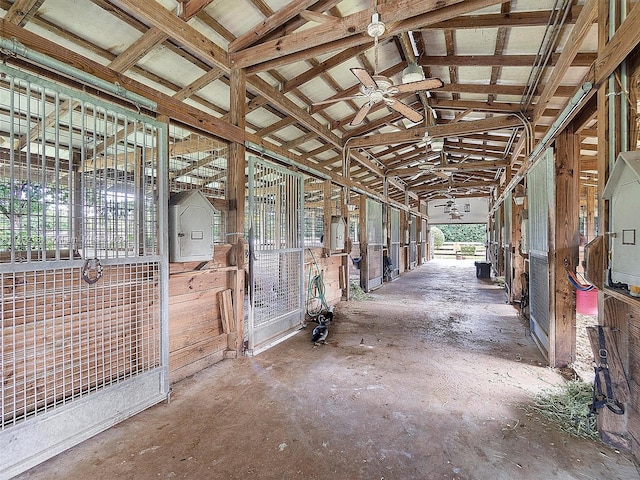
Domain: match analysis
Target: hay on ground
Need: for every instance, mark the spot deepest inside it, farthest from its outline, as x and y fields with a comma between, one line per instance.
x=568, y=407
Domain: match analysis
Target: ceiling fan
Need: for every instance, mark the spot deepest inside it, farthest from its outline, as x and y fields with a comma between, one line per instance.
x=378, y=88
x=452, y=209
x=442, y=171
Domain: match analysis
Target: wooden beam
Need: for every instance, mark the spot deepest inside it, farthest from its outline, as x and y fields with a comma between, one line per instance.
x=459, y=167
x=581, y=60
x=22, y=10
x=496, y=20
x=290, y=10
x=452, y=185
x=311, y=16
x=626, y=38
x=177, y=110
x=190, y=38
x=330, y=37
x=193, y=7
x=447, y=130
x=569, y=51
x=565, y=246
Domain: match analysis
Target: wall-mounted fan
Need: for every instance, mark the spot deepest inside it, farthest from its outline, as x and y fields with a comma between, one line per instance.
x=378, y=88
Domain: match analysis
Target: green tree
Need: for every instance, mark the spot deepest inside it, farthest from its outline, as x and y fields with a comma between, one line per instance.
x=463, y=232
x=438, y=237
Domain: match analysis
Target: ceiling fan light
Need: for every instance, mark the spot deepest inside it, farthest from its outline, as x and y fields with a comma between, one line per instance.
x=376, y=27
x=412, y=73
x=437, y=144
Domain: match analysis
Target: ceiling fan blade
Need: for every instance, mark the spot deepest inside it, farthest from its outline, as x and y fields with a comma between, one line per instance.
x=441, y=174
x=362, y=113
x=334, y=100
x=405, y=110
x=427, y=84
x=364, y=77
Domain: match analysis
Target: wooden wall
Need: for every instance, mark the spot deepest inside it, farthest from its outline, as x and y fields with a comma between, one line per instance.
x=622, y=314
x=196, y=335
x=334, y=273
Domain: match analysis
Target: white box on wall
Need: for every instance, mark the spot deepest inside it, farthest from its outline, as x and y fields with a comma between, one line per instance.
x=191, y=220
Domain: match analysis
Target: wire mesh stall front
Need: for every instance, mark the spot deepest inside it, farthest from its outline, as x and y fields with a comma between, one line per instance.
x=313, y=212
x=199, y=162
x=395, y=242
x=375, y=242
x=276, y=258
x=413, y=240
x=541, y=201
x=80, y=267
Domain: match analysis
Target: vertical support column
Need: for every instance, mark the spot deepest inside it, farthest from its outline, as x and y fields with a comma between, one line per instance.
x=236, y=165
x=567, y=241
x=517, y=261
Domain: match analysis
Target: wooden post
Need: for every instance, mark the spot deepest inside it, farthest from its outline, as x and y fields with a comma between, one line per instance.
x=567, y=241
x=235, y=195
x=517, y=261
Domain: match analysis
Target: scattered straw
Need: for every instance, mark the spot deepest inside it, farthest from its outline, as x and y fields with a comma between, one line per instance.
x=568, y=407
x=356, y=293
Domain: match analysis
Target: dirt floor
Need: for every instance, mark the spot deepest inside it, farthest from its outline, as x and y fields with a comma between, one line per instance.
x=425, y=380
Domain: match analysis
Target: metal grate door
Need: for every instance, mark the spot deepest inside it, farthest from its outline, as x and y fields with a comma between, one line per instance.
x=423, y=241
x=413, y=241
x=276, y=297
x=375, y=242
x=541, y=201
x=83, y=267
x=395, y=241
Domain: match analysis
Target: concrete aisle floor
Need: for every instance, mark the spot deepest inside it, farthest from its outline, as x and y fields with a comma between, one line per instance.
x=423, y=381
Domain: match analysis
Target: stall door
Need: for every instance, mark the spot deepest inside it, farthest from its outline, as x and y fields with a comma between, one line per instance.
x=413, y=241
x=541, y=201
x=83, y=267
x=395, y=242
x=276, y=294
x=423, y=243
x=375, y=242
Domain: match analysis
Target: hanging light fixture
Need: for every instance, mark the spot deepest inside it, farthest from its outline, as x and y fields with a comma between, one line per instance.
x=437, y=144
x=412, y=73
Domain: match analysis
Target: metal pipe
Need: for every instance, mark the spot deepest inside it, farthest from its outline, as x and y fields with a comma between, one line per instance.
x=281, y=158
x=611, y=92
x=555, y=127
x=624, y=86
x=14, y=46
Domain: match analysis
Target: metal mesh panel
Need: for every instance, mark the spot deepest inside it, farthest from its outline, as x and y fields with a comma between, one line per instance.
x=412, y=238
x=79, y=180
x=63, y=338
x=79, y=246
x=277, y=285
x=539, y=291
x=395, y=241
x=540, y=191
x=198, y=162
x=374, y=223
x=276, y=205
x=313, y=212
x=540, y=198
